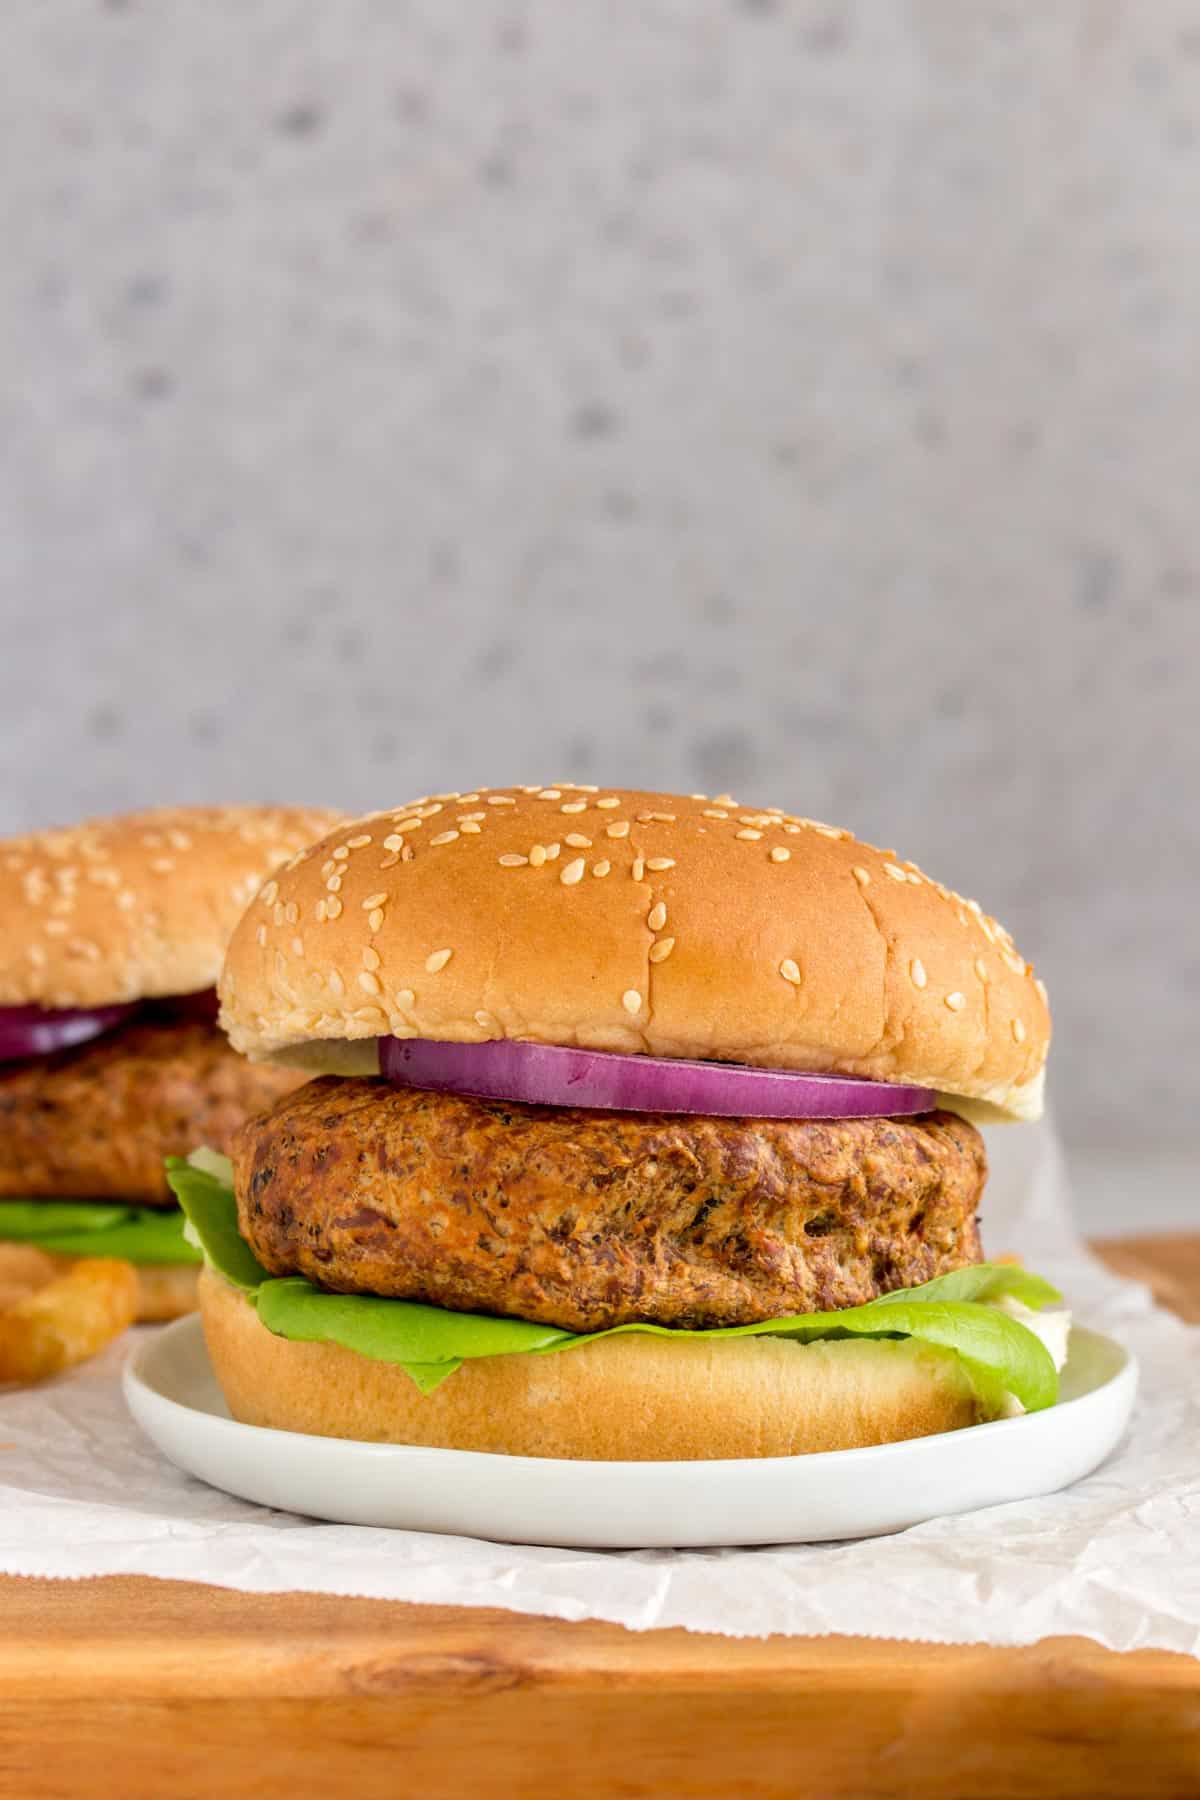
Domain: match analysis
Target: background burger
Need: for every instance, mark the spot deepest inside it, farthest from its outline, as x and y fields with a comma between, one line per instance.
x=643, y=1132
x=110, y=1057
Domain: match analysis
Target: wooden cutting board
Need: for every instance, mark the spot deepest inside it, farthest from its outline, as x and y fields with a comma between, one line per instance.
x=132, y=1689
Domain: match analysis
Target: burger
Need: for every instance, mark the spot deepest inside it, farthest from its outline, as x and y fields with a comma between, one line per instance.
x=110, y=1055
x=641, y=1127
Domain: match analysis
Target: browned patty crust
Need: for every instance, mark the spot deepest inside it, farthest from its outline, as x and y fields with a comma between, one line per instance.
x=591, y=1219
x=96, y=1122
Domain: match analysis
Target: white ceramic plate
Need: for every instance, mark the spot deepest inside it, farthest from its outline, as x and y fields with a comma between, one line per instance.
x=173, y=1395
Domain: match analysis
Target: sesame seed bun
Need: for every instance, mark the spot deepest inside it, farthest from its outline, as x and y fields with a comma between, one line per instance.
x=618, y=920
x=137, y=906
x=625, y=1399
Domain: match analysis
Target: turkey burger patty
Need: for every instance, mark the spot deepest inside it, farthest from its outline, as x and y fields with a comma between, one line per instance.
x=587, y=1220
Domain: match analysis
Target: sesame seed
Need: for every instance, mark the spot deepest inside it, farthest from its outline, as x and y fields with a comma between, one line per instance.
x=577, y=841
x=394, y=842
x=487, y=1021
x=631, y=1000
x=601, y=868
x=794, y=830
x=297, y=946
x=724, y=800
x=438, y=961
x=341, y=854
x=511, y=860
x=334, y=884
x=895, y=873
x=358, y=843
x=467, y=799
x=916, y=969
x=660, y=950
x=573, y=872
x=608, y=802
x=714, y=812
x=333, y=907
x=162, y=865
x=1040, y=985
x=537, y=855
x=278, y=912
x=261, y=935
x=829, y=831
x=469, y=827
x=748, y=833
x=412, y=823
x=656, y=918
x=638, y=868
x=374, y=900
x=465, y=819
x=574, y=806
x=407, y=854
x=270, y=893
x=552, y=851
x=375, y=919
x=336, y=984
x=292, y=913
x=1018, y=1031
x=500, y=800
x=370, y=957
x=981, y=968
x=404, y=997
x=780, y=854
x=550, y=794
x=618, y=829
x=656, y=818
x=444, y=837
x=389, y=861
x=956, y=1001
x=790, y=971
x=658, y=863
x=319, y=912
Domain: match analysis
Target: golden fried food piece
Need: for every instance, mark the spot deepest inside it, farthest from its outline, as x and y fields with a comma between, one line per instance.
x=589, y=1219
x=96, y=1122
x=24, y=1267
x=68, y=1320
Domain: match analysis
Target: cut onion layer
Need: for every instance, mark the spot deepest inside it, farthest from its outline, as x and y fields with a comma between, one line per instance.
x=40, y=1030
x=551, y=1075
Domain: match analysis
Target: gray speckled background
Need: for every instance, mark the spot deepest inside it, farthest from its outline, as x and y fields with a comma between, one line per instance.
x=796, y=398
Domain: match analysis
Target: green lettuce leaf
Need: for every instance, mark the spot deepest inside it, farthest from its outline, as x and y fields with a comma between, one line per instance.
x=138, y=1234
x=211, y=1211
x=430, y=1342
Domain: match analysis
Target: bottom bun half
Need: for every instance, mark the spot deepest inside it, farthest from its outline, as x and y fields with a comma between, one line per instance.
x=624, y=1399
x=165, y=1291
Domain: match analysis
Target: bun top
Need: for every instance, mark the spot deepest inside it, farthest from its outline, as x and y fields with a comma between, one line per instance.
x=136, y=906
x=617, y=920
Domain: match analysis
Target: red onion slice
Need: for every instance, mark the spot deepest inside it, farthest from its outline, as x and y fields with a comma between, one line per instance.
x=551, y=1075
x=40, y=1030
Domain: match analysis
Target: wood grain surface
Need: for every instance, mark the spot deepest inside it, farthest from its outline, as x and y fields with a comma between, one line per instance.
x=132, y=1689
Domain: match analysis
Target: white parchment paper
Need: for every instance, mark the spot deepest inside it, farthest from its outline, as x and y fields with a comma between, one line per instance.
x=1116, y=1558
